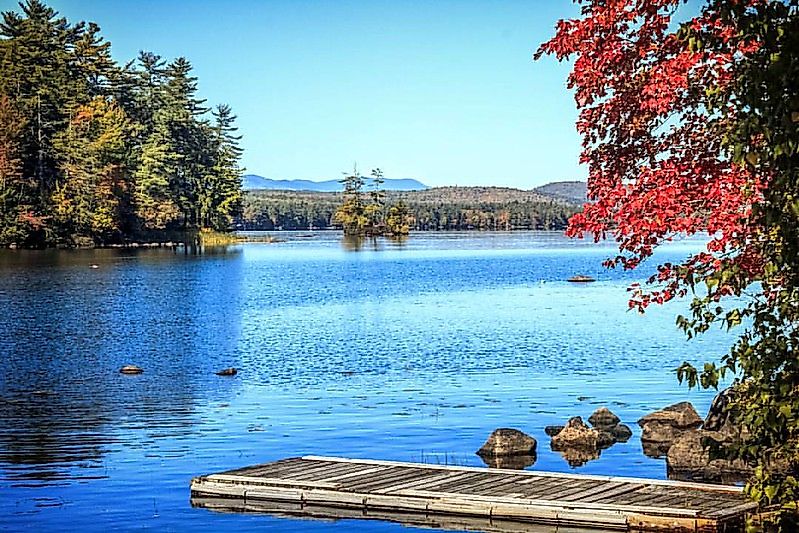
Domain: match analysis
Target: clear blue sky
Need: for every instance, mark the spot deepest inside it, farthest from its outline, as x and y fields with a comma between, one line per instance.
x=442, y=91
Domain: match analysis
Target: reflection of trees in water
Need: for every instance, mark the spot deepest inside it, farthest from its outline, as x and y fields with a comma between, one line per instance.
x=65, y=332
x=357, y=243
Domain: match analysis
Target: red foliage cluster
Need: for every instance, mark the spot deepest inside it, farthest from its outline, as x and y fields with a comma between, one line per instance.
x=653, y=110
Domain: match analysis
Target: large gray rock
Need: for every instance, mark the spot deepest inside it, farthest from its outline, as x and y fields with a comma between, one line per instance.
x=689, y=459
x=576, y=434
x=508, y=442
x=680, y=415
x=662, y=428
x=603, y=418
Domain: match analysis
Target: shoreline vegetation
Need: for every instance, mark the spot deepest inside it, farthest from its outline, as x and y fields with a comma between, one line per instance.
x=435, y=209
x=96, y=153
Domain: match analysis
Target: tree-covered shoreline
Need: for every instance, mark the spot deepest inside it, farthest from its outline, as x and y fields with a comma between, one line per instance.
x=96, y=153
x=436, y=209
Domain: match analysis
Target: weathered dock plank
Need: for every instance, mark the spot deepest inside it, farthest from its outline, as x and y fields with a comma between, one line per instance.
x=479, y=497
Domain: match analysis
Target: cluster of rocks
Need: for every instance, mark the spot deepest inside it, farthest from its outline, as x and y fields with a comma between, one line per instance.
x=579, y=443
x=686, y=440
x=676, y=432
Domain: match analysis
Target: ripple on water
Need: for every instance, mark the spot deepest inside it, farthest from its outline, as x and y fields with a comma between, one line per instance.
x=411, y=353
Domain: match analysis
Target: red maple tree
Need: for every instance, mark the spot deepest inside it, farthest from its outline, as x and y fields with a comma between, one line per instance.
x=692, y=127
x=653, y=110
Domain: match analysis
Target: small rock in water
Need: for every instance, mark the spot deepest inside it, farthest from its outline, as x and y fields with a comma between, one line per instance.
x=603, y=418
x=227, y=372
x=621, y=432
x=553, y=430
x=604, y=439
x=130, y=369
x=508, y=441
x=94, y=266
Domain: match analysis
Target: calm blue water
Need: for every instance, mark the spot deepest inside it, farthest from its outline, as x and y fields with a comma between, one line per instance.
x=413, y=351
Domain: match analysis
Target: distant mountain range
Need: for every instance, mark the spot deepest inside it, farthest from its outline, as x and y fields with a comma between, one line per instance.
x=572, y=192
x=253, y=182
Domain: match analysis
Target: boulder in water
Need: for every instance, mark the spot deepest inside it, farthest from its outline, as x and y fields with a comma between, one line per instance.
x=621, y=432
x=227, y=372
x=662, y=428
x=689, y=458
x=130, y=369
x=576, y=434
x=603, y=418
x=505, y=442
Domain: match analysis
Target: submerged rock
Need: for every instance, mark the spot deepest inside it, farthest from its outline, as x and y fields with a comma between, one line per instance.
x=662, y=428
x=603, y=418
x=130, y=369
x=227, y=372
x=505, y=442
x=610, y=428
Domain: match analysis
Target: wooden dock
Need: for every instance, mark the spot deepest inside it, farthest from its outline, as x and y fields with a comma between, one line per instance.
x=471, y=498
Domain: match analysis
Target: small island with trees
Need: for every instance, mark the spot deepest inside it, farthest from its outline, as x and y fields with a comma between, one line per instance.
x=369, y=215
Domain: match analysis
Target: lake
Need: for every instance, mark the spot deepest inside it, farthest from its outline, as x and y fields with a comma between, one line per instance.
x=411, y=351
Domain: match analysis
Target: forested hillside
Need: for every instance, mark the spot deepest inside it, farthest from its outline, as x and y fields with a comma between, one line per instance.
x=570, y=191
x=93, y=152
x=439, y=208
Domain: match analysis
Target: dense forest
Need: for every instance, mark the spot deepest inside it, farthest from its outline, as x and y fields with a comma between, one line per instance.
x=93, y=152
x=440, y=208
